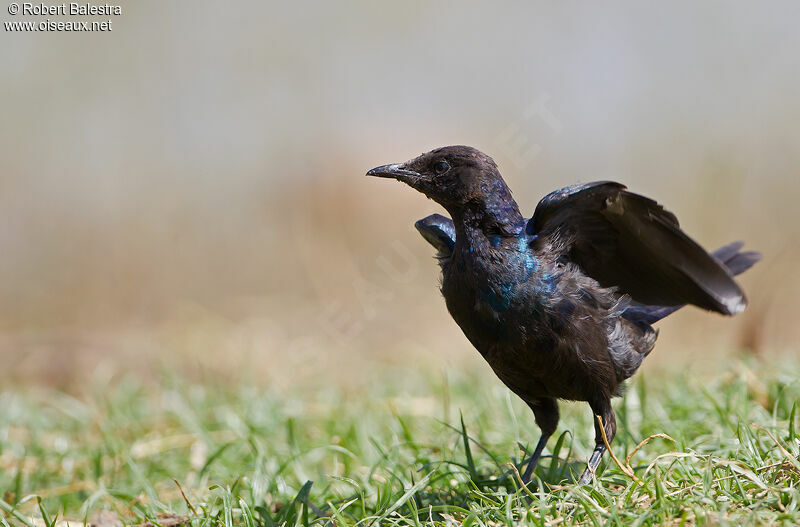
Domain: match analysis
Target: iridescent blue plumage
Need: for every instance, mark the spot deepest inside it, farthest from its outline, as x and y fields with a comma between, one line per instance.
x=439, y=231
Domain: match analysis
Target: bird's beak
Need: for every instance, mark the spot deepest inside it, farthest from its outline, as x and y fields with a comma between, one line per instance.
x=396, y=171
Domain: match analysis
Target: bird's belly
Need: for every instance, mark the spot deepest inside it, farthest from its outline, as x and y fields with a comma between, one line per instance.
x=536, y=371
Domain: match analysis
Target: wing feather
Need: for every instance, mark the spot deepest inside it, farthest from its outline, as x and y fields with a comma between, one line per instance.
x=629, y=241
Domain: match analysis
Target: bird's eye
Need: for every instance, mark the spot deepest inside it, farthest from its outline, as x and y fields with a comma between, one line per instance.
x=441, y=167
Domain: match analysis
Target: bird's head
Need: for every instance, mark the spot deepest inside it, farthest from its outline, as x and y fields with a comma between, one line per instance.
x=456, y=177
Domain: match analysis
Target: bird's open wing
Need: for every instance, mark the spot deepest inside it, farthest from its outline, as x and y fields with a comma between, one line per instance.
x=439, y=231
x=628, y=241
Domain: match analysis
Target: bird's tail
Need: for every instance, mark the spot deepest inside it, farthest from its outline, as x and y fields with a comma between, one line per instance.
x=730, y=256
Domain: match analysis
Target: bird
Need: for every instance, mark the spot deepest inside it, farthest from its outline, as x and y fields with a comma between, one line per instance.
x=562, y=305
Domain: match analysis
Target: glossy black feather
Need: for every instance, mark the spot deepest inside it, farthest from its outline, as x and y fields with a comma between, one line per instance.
x=439, y=231
x=628, y=241
x=735, y=262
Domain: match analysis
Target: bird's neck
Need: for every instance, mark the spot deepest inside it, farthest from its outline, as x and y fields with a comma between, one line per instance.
x=479, y=223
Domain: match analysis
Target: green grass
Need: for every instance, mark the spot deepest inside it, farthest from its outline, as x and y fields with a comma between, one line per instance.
x=407, y=450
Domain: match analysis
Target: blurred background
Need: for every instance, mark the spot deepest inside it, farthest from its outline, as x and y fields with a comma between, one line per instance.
x=187, y=191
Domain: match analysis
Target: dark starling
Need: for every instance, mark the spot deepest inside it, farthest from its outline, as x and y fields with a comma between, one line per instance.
x=561, y=305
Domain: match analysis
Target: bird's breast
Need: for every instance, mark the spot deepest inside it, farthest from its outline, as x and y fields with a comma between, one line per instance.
x=490, y=293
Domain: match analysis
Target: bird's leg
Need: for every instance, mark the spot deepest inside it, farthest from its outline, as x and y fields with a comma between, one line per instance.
x=526, y=477
x=545, y=410
x=604, y=410
x=591, y=466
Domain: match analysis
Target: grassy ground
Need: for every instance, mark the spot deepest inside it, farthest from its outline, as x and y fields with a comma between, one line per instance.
x=397, y=454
